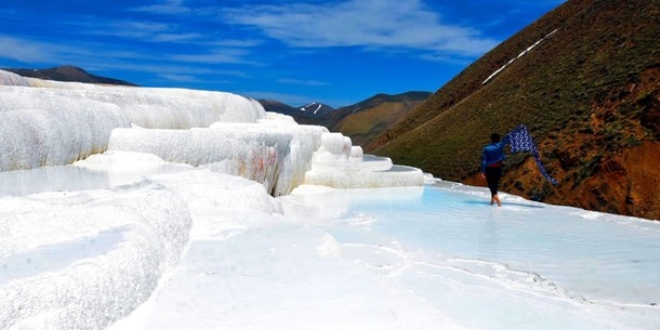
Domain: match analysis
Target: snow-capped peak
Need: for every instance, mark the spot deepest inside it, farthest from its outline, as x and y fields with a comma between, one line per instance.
x=312, y=107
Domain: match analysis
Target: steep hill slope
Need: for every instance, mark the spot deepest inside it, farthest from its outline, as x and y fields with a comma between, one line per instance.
x=585, y=79
x=68, y=73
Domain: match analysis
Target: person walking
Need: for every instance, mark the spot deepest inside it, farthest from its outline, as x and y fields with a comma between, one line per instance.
x=492, y=161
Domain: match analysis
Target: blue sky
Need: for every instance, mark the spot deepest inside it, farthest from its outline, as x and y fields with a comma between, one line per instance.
x=338, y=52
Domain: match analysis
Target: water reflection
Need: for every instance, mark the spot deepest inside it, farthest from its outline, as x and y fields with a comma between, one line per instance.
x=74, y=178
x=584, y=253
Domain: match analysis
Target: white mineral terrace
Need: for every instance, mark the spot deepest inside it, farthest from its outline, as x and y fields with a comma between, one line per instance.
x=47, y=123
x=93, y=236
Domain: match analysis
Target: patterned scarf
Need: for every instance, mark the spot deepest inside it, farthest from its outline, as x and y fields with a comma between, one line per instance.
x=521, y=141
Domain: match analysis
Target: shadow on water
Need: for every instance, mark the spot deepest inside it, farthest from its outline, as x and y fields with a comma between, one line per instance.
x=504, y=204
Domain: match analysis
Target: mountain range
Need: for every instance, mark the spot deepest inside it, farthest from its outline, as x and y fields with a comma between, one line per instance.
x=68, y=73
x=362, y=122
x=312, y=110
x=585, y=80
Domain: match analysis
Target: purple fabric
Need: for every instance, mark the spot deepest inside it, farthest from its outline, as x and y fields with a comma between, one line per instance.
x=521, y=141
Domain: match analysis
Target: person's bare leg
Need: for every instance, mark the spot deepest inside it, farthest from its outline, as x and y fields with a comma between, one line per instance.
x=497, y=199
x=492, y=200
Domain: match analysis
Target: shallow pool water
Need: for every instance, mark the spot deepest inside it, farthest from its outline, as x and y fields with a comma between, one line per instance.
x=523, y=264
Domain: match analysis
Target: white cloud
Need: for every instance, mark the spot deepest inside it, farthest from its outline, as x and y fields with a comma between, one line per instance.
x=438, y=57
x=158, y=32
x=31, y=51
x=365, y=23
x=179, y=78
x=176, y=37
x=173, y=70
x=303, y=82
x=142, y=30
x=246, y=43
x=235, y=56
x=24, y=51
x=168, y=7
x=86, y=55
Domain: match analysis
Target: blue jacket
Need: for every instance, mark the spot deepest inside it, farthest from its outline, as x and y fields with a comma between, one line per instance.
x=493, y=153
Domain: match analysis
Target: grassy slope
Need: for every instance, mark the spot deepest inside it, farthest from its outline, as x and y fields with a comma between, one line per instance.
x=364, y=126
x=588, y=93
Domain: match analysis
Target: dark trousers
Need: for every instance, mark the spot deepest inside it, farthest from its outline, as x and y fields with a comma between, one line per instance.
x=493, y=175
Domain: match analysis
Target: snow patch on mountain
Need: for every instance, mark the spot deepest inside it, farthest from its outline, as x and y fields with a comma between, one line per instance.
x=527, y=50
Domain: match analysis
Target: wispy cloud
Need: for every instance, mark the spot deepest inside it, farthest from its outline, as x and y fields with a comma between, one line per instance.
x=24, y=51
x=303, y=82
x=177, y=37
x=179, y=78
x=164, y=69
x=168, y=74
x=145, y=31
x=87, y=55
x=168, y=7
x=28, y=50
x=364, y=23
x=246, y=43
x=438, y=57
x=135, y=29
x=234, y=56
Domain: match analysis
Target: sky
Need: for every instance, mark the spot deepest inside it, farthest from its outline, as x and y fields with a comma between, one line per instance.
x=338, y=52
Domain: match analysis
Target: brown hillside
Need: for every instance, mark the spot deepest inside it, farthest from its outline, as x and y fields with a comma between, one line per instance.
x=364, y=126
x=589, y=93
x=366, y=120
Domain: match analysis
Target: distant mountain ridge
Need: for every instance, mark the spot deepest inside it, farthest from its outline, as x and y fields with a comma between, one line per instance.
x=362, y=121
x=68, y=73
x=366, y=120
x=381, y=98
x=278, y=107
x=585, y=79
x=311, y=110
